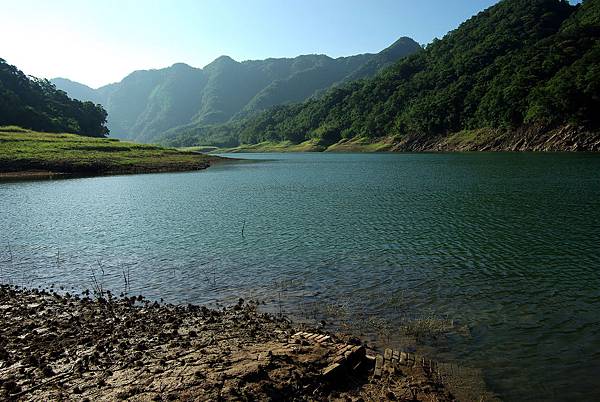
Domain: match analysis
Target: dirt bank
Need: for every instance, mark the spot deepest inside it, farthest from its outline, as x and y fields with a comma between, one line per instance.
x=566, y=138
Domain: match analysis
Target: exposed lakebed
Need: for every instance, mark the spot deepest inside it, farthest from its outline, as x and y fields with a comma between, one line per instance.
x=505, y=246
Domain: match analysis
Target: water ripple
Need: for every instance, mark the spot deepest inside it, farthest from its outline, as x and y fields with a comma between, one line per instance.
x=506, y=244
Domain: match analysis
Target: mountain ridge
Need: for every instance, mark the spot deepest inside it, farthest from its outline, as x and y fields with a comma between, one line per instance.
x=147, y=103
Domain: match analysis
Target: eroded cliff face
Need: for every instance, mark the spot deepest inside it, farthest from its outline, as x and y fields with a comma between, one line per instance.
x=566, y=138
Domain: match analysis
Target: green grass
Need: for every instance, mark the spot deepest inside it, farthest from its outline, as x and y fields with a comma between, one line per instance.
x=198, y=148
x=24, y=152
x=471, y=139
x=268, y=146
x=359, y=144
x=351, y=145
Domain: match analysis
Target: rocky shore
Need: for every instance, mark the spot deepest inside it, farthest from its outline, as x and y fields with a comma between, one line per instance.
x=566, y=138
x=80, y=347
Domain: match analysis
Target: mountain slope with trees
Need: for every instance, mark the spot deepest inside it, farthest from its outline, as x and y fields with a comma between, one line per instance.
x=147, y=103
x=523, y=74
x=36, y=104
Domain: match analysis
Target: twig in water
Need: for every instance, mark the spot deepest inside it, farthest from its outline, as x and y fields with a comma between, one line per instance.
x=10, y=254
x=98, y=286
x=243, y=227
x=280, y=307
x=126, y=278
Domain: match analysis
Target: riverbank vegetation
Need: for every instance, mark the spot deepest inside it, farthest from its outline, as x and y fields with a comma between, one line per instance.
x=26, y=153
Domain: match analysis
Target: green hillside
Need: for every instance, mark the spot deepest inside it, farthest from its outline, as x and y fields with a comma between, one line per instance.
x=37, y=104
x=147, y=103
x=523, y=74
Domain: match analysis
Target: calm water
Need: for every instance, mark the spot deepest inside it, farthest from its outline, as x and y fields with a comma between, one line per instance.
x=506, y=245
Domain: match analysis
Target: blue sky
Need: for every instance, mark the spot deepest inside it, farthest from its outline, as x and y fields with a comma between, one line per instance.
x=100, y=41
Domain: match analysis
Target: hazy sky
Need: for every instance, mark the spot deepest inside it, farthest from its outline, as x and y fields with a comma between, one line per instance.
x=101, y=41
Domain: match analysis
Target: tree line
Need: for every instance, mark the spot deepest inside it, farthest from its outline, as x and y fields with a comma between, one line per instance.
x=36, y=104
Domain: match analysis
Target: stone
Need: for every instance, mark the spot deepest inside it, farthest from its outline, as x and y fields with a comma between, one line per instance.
x=339, y=359
x=323, y=338
x=378, y=366
x=330, y=370
x=344, y=349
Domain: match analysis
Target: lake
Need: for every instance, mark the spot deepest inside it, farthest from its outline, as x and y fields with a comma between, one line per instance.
x=505, y=247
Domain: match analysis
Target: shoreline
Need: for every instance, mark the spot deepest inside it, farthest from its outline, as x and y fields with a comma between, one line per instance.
x=55, y=346
x=24, y=175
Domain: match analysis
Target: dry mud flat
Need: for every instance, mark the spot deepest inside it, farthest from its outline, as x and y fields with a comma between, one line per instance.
x=64, y=347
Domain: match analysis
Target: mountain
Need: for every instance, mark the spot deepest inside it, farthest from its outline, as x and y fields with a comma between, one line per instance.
x=147, y=103
x=383, y=59
x=36, y=104
x=521, y=75
x=76, y=90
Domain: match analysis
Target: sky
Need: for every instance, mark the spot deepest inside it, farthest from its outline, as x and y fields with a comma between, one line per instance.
x=97, y=42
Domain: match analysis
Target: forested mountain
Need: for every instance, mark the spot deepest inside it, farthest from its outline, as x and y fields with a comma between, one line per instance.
x=523, y=74
x=37, y=104
x=147, y=103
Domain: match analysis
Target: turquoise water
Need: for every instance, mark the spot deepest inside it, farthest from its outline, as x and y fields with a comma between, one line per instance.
x=505, y=245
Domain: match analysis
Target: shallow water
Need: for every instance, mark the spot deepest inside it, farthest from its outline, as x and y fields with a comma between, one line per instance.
x=507, y=245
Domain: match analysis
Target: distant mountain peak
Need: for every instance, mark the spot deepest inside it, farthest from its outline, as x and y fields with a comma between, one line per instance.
x=224, y=59
x=64, y=79
x=403, y=41
x=404, y=46
x=181, y=66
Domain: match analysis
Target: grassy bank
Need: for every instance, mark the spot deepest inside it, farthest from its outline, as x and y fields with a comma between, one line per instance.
x=362, y=145
x=345, y=145
x=25, y=153
x=200, y=149
x=269, y=146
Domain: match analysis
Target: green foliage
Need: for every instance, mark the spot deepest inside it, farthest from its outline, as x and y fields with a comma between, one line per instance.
x=37, y=104
x=520, y=62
